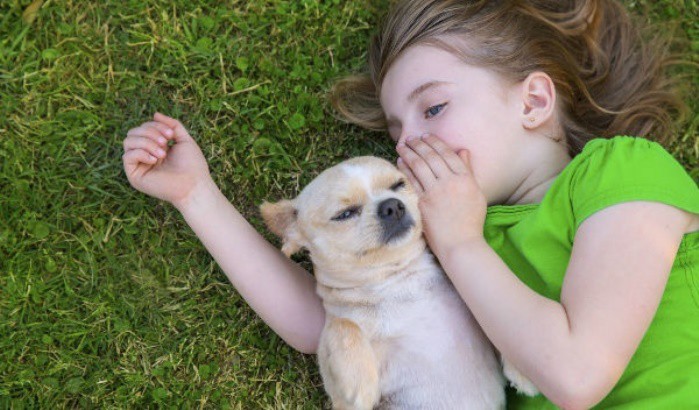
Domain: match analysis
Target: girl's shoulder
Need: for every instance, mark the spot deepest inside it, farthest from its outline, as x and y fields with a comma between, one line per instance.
x=623, y=169
x=619, y=148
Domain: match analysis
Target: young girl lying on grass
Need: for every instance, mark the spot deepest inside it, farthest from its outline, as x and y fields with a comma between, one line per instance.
x=576, y=248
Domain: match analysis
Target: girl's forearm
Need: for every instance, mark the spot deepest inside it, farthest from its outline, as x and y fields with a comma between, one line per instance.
x=531, y=331
x=277, y=289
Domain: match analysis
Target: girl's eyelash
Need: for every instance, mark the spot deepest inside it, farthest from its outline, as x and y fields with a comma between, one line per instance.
x=434, y=110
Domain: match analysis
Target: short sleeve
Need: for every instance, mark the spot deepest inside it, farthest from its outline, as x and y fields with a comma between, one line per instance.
x=623, y=169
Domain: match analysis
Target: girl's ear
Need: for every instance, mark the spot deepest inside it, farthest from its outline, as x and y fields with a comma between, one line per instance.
x=280, y=218
x=539, y=100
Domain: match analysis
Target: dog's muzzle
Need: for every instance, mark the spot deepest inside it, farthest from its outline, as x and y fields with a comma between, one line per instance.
x=395, y=221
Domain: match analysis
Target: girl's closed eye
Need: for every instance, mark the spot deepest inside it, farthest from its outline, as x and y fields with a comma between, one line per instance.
x=434, y=110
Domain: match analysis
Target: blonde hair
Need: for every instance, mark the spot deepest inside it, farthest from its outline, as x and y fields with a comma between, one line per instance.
x=609, y=81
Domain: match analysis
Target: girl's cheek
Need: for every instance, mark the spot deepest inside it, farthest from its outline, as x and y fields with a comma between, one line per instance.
x=449, y=133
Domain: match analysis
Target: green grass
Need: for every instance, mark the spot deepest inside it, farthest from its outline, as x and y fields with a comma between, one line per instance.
x=106, y=297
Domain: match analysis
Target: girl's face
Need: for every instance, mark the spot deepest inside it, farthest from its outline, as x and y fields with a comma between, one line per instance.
x=428, y=90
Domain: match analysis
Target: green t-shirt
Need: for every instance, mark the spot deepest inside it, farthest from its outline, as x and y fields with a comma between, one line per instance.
x=535, y=241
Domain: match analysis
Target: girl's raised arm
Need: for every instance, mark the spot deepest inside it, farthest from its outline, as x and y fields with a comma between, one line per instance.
x=279, y=290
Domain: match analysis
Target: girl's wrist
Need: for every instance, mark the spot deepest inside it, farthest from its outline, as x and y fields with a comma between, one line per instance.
x=203, y=192
x=458, y=248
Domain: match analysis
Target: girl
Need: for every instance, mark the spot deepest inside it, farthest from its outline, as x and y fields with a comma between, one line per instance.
x=582, y=270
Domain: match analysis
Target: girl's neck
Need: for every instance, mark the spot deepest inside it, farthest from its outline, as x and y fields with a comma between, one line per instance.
x=533, y=187
x=533, y=195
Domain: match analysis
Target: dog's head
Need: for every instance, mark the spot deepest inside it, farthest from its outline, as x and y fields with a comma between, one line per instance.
x=360, y=213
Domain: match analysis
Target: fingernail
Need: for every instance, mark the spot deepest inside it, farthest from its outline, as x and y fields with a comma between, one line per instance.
x=168, y=132
x=160, y=153
x=162, y=140
x=400, y=161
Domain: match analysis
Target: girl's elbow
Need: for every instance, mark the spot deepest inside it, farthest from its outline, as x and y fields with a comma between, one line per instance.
x=577, y=400
x=305, y=345
x=305, y=348
x=584, y=390
x=305, y=338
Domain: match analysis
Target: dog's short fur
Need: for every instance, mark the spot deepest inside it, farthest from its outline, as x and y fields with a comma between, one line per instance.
x=397, y=335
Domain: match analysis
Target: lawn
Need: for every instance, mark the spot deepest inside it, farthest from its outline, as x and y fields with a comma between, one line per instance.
x=106, y=297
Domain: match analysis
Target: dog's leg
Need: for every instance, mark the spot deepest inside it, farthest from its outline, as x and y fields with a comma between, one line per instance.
x=348, y=365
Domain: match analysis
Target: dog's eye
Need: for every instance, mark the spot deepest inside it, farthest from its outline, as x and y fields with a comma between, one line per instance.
x=398, y=185
x=347, y=213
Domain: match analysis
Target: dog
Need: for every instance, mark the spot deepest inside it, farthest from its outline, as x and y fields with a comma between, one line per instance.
x=397, y=335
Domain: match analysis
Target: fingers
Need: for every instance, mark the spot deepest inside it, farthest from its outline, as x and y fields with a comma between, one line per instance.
x=433, y=158
x=451, y=158
x=427, y=159
x=135, y=157
x=138, y=141
x=419, y=169
x=151, y=136
x=465, y=157
x=409, y=174
x=152, y=131
x=164, y=129
x=181, y=133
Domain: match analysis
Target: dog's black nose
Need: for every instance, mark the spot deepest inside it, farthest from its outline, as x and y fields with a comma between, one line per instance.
x=391, y=210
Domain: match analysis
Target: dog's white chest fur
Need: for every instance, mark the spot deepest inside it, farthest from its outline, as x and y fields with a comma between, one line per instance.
x=428, y=350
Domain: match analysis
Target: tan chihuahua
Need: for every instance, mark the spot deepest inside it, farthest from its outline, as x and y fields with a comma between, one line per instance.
x=396, y=335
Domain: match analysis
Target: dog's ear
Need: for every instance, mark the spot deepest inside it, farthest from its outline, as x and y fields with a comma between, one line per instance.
x=280, y=218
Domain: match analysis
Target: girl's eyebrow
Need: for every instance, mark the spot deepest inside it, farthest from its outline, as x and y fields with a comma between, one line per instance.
x=424, y=87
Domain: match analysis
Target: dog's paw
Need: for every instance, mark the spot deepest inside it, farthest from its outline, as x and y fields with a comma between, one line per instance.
x=348, y=366
x=518, y=381
x=360, y=396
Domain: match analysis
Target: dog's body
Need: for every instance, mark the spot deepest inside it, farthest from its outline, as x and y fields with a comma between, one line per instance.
x=428, y=351
x=397, y=335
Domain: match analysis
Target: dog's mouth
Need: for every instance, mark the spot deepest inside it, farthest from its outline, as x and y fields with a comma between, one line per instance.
x=391, y=236
x=394, y=232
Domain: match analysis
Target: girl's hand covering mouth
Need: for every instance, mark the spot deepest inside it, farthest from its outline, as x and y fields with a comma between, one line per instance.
x=451, y=202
